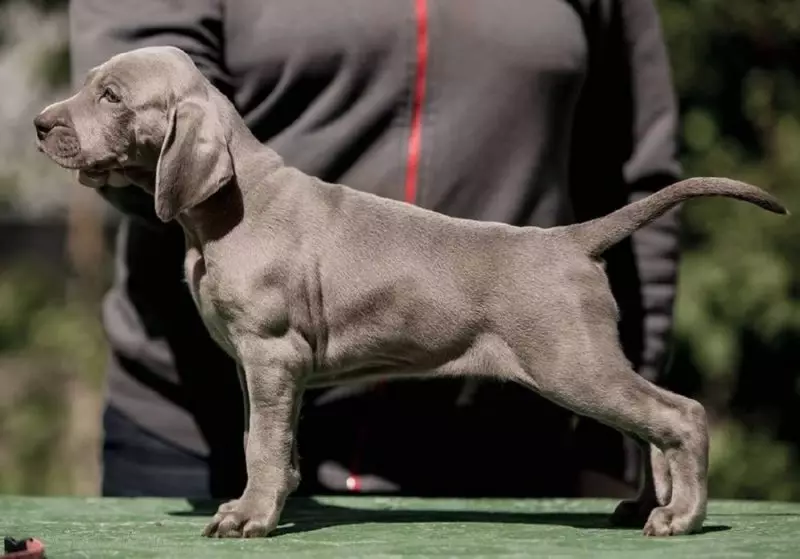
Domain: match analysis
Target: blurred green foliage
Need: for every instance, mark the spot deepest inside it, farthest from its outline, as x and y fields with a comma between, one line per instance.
x=738, y=315
x=38, y=315
x=51, y=350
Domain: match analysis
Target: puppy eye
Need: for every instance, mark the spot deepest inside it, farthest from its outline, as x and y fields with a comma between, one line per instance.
x=109, y=95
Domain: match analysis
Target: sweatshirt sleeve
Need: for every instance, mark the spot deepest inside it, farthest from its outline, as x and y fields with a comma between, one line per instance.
x=652, y=164
x=625, y=148
x=100, y=29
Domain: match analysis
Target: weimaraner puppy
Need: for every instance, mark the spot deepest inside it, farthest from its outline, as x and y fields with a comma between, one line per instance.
x=306, y=283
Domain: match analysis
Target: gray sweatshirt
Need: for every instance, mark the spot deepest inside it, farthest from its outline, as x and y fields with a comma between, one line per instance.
x=528, y=112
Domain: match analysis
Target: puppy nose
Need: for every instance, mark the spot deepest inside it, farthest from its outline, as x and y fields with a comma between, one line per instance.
x=43, y=125
x=45, y=122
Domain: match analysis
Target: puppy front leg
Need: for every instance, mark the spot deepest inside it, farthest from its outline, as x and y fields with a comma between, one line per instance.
x=273, y=373
x=246, y=397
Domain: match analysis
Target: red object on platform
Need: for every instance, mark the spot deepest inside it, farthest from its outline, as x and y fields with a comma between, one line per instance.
x=30, y=548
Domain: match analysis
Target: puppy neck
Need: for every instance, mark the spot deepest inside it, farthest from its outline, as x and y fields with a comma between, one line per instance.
x=215, y=217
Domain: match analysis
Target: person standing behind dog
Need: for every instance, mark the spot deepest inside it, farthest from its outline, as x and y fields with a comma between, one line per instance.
x=531, y=113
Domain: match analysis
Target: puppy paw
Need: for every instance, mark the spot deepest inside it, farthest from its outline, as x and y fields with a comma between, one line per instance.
x=664, y=521
x=227, y=506
x=632, y=513
x=243, y=518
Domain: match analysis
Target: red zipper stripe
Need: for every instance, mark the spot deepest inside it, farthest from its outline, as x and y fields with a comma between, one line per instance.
x=353, y=482
x=415, y=136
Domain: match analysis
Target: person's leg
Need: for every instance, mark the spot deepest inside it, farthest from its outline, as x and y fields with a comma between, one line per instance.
x=445, y=437
x=173, y=425
x=139, y=463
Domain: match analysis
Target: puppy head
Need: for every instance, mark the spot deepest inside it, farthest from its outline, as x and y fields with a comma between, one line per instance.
x=147, y=117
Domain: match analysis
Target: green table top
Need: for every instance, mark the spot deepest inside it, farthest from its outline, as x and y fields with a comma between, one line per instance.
x=383, y=527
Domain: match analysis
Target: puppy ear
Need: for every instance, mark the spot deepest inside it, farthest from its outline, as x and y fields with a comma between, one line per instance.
x=194, y=162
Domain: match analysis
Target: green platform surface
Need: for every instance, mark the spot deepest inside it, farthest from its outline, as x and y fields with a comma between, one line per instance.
x=393, y=527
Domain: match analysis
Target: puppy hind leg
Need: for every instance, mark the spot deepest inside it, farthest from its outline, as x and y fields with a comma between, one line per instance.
x=655, y=488
x=603, y=386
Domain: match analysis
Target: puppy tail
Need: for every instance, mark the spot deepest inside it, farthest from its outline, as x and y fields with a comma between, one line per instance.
x=598, y=235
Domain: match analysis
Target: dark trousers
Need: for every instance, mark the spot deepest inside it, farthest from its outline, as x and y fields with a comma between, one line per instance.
x=137, y=463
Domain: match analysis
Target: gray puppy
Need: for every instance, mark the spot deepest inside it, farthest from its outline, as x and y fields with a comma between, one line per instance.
x=306, y=283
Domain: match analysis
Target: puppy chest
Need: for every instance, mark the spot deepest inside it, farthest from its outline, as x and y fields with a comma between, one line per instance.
x=234, y=308
x=214, y=321
x=204, y=294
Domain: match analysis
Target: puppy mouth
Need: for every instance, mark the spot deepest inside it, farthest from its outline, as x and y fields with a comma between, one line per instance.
x=91, y=174
x=68, y=155
x=95, y=172
x=60, y=144
x=103, y=174
x=78, y=162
